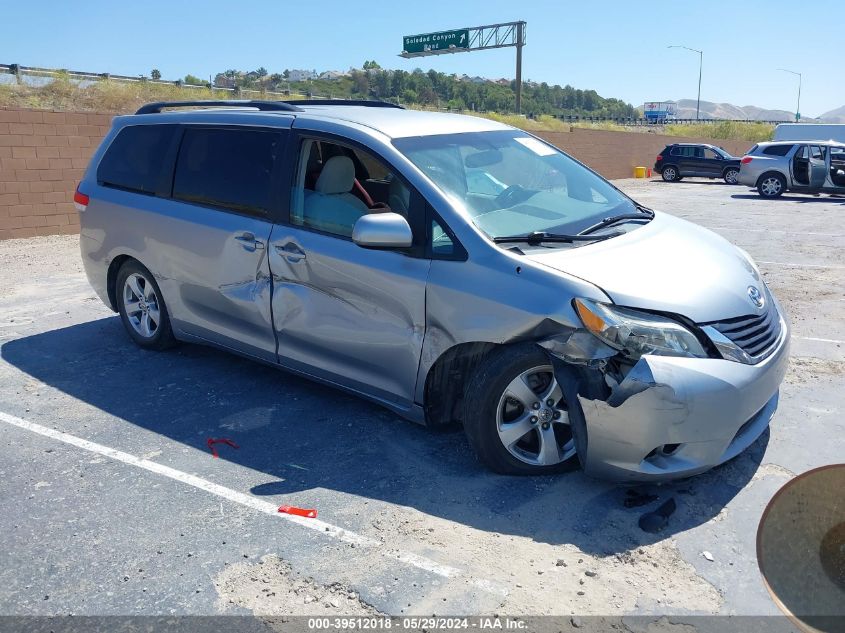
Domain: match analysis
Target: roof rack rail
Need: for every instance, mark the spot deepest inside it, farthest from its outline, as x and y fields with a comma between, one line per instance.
x=346, y=102
x=268, y=106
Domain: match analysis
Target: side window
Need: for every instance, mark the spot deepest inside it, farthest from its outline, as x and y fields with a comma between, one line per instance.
x=135, y=159
x=802, y=153
x=227, y=168
x=336, y=184
x=676, y=151
x=816, y=152
x=777, y=150
x=441, y=243
x=710, y=154
x=699, y=152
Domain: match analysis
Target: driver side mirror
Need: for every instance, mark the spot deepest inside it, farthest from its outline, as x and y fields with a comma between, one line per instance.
x=382, y=230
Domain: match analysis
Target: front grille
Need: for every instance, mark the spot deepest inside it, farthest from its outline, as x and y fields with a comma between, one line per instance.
x=754, y=334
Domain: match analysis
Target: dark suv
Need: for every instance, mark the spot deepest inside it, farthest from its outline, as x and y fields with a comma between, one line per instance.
x=696, y=159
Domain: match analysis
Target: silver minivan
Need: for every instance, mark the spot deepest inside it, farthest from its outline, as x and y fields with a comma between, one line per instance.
x=449, y=267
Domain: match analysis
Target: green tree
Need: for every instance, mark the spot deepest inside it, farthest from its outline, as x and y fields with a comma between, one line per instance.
x=194, y=81
x=155, y=73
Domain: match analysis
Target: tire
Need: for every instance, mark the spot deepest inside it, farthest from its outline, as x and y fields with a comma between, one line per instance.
x=670, y=173
x=771, y=185
x=511, y=435
x=731, y=176
x=142, y=308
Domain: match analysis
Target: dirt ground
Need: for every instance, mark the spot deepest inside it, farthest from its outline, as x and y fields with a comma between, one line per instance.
x=413, y=524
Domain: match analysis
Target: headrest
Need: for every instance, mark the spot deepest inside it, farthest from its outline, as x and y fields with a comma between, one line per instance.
x=338, y=176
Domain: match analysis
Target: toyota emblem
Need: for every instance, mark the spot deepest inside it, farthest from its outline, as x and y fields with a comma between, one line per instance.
x=756, y=296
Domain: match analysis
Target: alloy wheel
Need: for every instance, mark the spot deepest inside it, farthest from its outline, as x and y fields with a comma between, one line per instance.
x=771, y=186
x=532, y=419
x=141, y=305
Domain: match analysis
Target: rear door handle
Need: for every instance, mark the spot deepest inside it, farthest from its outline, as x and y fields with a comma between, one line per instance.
x=249, y=242
x=291, y=252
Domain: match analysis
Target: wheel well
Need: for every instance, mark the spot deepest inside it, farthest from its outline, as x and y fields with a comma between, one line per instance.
x=728, y=168
x=672, y=165
x=111, y=278
x=770, y=173
x=445, y=384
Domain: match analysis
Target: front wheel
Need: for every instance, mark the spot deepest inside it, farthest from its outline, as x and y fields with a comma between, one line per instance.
x=731, y=176
x=771, y=185
x=515, y=415
x=670, y=174
x=142, y=308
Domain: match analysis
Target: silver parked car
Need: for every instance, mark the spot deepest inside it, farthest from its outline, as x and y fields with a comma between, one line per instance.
x=451, y=268
x=798, y=166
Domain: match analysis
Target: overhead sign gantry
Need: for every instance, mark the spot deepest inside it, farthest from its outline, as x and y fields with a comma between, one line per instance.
x=477, y=38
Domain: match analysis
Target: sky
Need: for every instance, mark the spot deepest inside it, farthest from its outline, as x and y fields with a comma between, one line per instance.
x=617, y=48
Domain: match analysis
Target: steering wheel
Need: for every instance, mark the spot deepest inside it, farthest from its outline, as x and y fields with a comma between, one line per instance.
x=513, y=195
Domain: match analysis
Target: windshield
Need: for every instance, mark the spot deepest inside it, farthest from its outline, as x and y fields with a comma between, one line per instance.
x=510, y=183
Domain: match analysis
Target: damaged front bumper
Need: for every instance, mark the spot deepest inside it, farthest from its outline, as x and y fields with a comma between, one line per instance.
x=670, y=417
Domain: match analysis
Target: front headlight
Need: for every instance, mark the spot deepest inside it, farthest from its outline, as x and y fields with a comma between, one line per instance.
x=636, y=333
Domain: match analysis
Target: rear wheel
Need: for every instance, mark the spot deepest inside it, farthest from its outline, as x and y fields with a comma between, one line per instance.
x=515, y=415
x=771, y=185
x=670, y=174
x=142, y=308
x=731, y=176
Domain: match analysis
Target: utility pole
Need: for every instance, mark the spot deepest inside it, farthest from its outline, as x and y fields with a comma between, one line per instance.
x=520, y=42
x=798, y=106
x=700, y=65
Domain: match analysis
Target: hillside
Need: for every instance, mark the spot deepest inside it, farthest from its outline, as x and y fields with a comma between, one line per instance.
x=834, y=116
x=710, y=110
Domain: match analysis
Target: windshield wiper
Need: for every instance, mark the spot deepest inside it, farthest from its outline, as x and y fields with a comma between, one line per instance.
x=644, y=214
x=538, y=237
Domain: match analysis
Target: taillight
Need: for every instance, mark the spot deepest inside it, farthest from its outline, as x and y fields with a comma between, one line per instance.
x=80, y=200
x=746, y=159
x=659, y=158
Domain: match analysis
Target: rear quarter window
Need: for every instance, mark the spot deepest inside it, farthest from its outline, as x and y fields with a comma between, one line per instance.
x=227, y=168
x=777, y=150
x=135, y=160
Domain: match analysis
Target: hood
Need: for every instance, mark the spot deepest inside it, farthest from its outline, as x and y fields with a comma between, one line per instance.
x=669, y=265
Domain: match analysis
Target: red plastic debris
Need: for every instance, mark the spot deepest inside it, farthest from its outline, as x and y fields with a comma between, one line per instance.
x=212, y=441
x=300, y=512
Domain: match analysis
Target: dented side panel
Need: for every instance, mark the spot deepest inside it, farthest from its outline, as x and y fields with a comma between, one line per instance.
x=347, y=314
x=509, y=300
x=216, y=286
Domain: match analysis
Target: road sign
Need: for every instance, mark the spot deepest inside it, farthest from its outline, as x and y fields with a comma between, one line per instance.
x=444, y=40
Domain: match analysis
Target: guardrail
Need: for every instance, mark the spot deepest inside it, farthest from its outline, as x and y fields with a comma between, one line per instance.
x=21, y=72
x=82, y=77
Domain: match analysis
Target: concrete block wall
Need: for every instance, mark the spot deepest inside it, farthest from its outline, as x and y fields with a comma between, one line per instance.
x=43, y=154
x=615, y=154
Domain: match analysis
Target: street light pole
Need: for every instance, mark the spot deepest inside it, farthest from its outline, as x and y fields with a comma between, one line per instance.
x=797, y=107
x=700, y=65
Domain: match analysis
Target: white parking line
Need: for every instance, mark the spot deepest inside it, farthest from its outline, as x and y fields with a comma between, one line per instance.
x=820, y=340
x=793, y=265
x=747, y=230
x=327, y=529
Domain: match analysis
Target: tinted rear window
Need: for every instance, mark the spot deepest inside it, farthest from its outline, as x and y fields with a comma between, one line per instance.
x=227, y=168
x=136, y=157
x=777, y=150
x=686, y=151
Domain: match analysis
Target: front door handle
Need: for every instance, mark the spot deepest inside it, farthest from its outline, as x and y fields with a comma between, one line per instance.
x=291, y=252
x=249, y=242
